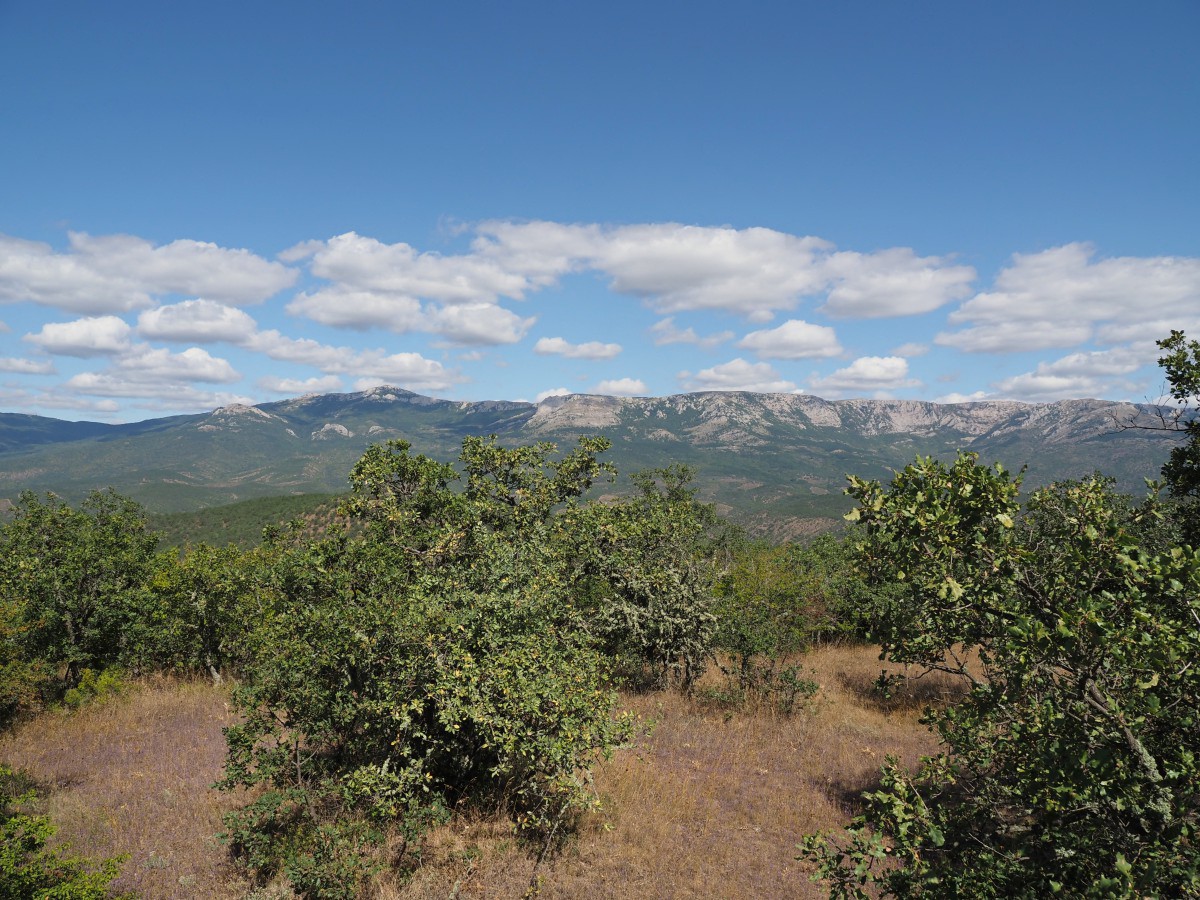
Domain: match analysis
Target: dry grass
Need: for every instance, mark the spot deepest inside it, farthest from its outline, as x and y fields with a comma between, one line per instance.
x=712, y=804
x=133, y=775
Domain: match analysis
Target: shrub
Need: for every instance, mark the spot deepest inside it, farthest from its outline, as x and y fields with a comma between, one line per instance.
x=1071, y=766
x=432, y=660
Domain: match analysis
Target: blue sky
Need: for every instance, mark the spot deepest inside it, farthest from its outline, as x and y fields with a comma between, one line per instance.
x=237, y=202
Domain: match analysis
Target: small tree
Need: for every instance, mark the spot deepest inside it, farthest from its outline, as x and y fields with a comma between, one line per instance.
x=432, y=660
x=647, y=571
x=1072, y=765
x=1182, y=470
x=71, y=583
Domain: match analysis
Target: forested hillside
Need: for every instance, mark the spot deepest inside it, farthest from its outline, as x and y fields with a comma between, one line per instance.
x=480, y=646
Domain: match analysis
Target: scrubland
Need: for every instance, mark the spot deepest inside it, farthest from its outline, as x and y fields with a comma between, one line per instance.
x=709, y=803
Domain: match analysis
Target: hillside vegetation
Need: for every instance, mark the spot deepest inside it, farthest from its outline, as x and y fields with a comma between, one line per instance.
x=498, y=678
x=774, y=463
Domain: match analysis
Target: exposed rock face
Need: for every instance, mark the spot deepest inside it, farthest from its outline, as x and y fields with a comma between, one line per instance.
x=332, y=430
x=575, y=411
x=740, y=418
x=762, y=458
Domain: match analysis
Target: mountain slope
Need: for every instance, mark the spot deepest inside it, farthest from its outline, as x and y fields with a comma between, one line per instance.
x=774, y=461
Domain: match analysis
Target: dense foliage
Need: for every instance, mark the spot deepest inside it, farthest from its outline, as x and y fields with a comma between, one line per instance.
x=645, y=571
x=1071, y=766
x=70, y=588
x=1181, y=363
x=431, y=660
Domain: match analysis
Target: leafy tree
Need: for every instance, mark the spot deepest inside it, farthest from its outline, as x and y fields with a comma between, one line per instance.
x=200, y=607
x=647, y=571
x=1071, y=766
x=431, y=659
x=70, y=581
x=776, y=602
x=1182, y=470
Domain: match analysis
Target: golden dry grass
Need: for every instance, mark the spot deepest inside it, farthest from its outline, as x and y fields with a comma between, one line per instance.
x=133, y=775
x=711, y=804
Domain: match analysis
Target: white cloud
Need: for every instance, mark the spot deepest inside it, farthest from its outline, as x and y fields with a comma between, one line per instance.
x=552, y=392
x=794, y=339
x=910, y=350
x=320, y=385
x=557, y=346
x=973, y=397
x=342, y=306
x=159, y=365
x=408, y=370
x=1065, y=296
x=737, y=375
x=893, y=282
x=754, y=272
x=1077, y=375
x=119, y=273
x=622, y=387
x=367, y=264
x=875, y=375
x=94, y=336
x=666, y=332
x=478, y=323
x=26, y=366
x=196, y=321
x=168, y=396
x=675, y=267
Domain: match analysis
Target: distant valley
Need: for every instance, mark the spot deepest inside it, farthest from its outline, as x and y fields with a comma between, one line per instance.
x=773, y=462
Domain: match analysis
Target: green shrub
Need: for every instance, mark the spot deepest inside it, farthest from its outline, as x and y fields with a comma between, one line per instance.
x=95, y=685
x=431, y=661
x=1072, y=765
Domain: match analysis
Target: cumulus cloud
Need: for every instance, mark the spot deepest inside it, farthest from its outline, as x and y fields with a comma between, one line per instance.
x=477, y=323
x=753, y=272
x=552, y=392
x=1066, y=295
x=318, y=385
x=794, y=339
x=973, y=397
x=159, y=365
x=196, y=321
x=675, y=267
x=119, y=273
x=910, y=350
x=155, y=373
x=894, y=282
x=26, y=366
x=93, y=336
x=666, y=332
x=346, y=307
x=875, y=375
x=400, y=289
x=622, y=387
x=408, y=370
x=400, y=269
x=1077, y=375
x=557, y=346
x=737, y=375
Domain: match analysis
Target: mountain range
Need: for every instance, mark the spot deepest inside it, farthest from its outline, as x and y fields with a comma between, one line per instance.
x=774, y=462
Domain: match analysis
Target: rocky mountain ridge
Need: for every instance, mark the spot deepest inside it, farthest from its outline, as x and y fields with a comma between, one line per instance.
x=763, y=458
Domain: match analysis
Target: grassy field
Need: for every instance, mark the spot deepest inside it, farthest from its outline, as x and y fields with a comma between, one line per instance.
x=710, y=804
